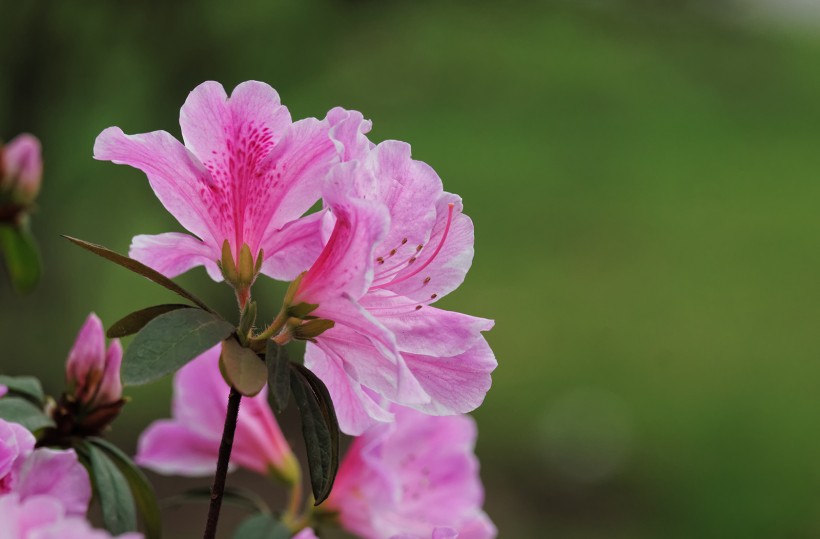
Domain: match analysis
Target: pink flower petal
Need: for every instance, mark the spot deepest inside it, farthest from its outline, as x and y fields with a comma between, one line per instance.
x=169, y=447
x=173, y=254
x=177, y=177
x=348, y=131
x=456, y=384
x=293, y=248
x=110, y=389
x=59, y=474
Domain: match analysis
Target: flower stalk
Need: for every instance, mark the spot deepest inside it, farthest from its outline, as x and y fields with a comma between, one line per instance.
x=225, y=447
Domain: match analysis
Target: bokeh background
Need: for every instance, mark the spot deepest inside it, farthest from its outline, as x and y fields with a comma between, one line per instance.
x=644, y=181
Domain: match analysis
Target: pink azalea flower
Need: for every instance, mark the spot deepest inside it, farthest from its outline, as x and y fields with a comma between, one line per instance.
x=29, y=472
x=307, y=533
x=45, y=517
x=376, y=278
x=246, y=174
x=21, y=168
x=3, y=390
x=93, y=371
x=188, y=444
x=415, y=478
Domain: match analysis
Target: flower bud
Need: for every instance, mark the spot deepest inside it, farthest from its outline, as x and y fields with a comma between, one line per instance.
x=21, y=169
x=92, y=373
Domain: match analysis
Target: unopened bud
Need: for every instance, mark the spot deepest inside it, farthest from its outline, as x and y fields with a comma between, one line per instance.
x=92, y=372
x=21, y=169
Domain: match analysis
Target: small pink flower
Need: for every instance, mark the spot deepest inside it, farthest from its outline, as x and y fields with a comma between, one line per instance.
x=92, y=371
x=246, y=174
x=45, y=517
x=21, y=168
x=398, y=244
x=29, y=472
x=188, y=444
x=415, y=478
x=3, y=390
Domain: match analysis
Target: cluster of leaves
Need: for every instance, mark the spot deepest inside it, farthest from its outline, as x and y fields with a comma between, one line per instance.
x=168, y=336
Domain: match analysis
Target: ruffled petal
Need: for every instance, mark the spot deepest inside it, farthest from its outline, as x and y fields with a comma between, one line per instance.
x=213, y=125
x=456, y=384
x=348, y=130
x=173, y=254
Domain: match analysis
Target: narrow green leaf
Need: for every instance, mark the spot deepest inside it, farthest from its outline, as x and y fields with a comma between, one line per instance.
x=239, y=497
x=169, y=341
x=262, y=527
x=276, y=358
x=132, y=323
x=20, y=410
x=25, y=386
x=320, y=429
x=19, y=250
x=139, y=268
x=118, y=509
x=243, y=368
x=141, y=488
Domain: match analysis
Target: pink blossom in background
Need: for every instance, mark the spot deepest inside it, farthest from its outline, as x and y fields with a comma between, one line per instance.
x=377, y=277
x=29, y=472
x=45, y=517
x=416, y=477
x=21, y=168
x=3, y=390
x=92, y=371
x=307, y=533
x=188, y=444
x=246, y=174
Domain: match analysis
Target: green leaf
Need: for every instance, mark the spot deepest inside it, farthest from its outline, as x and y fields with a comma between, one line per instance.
x=118, y=509
x=141, y=488
x=276, y=358
x=139, y=268
x=132, y=323
x=169, y=341
x=243, y=368
x=233, y=495
x=25, y=386
x=22, y=258
x=20, y=410
x=262, y=527
x=320, y=429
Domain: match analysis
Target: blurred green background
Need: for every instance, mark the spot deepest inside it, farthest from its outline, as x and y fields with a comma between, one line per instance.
x=644, y=181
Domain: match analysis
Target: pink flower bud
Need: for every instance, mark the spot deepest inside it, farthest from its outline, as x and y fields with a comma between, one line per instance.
x=21, y=168
x=93, y=373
